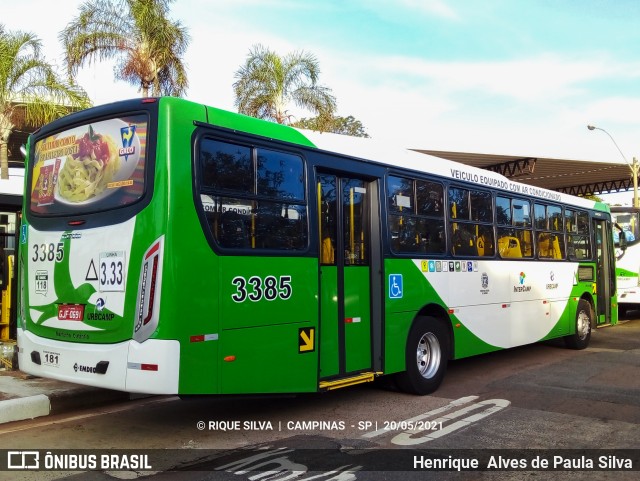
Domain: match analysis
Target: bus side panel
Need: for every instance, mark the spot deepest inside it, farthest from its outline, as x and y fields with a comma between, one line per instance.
x=190, y=282
x=401, y=308
x=357, y=297
x=268, y=324
x=266, y=360
x=565, y=309
x=328, y=341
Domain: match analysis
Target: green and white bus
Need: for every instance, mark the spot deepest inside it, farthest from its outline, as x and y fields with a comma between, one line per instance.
x=171, y=247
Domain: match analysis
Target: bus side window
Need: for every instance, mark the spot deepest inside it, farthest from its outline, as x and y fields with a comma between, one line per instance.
x=233, y=232
x=463, y=241
x=485, y=241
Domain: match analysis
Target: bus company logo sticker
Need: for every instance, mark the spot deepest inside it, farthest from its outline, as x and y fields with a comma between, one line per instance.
x=484, y=280
x=552, y=285
x=521, y=287
x=100, y=303
x=82, y=368
x=126, y=135
x=98, y=315
x=438, y=266
x=458, y=267
x=432, y=266
x=469, y=266
x=42, y=282
x=395, y=286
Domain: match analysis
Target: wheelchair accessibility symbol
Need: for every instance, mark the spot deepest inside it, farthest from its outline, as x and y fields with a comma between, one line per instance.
x=395, y=286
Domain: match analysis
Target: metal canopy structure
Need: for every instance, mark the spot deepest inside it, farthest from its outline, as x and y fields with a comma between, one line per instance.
x=576, y=177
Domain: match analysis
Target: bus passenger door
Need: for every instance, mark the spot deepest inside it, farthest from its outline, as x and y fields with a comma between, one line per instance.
x=605, y=275
x=349, y=248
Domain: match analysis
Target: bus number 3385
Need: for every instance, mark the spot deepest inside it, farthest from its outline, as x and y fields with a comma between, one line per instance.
x=255, y=288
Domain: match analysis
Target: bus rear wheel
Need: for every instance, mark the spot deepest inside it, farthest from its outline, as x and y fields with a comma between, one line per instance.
x=580, y=339
x=427, y=353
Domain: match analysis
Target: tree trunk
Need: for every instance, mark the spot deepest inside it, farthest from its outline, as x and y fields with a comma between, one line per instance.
x=4, y=158
x=5, y=132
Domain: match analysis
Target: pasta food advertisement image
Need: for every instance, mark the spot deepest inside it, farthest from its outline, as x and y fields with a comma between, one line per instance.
x=89, y=167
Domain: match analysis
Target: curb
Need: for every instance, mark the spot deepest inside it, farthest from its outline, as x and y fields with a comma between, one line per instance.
x=30, y=407
x=19, y=409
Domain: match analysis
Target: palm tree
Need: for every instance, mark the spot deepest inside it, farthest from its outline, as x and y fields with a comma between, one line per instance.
x=147, y=45
x=29, y=83
x=267, y=84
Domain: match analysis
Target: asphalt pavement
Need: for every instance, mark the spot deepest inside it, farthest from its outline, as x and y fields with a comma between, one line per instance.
x=23, y=396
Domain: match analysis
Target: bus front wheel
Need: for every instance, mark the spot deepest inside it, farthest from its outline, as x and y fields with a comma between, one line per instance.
x=427, y=353
x=580, y=339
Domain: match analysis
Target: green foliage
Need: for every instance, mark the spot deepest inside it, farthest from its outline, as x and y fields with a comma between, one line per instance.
x=267, y=84
x=335, y=124
x=29, y=83
x=593, y=197
x=147, y=45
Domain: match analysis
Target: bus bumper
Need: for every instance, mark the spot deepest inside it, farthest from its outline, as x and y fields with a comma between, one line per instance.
x=151, y=367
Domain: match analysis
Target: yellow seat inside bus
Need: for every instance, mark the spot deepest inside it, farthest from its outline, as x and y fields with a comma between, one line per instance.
x=509, y=247
x=468, y=244
x=549, y=246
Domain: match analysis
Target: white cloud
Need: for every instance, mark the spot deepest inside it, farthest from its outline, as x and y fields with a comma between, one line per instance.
x=546, y=77
x=533, y=104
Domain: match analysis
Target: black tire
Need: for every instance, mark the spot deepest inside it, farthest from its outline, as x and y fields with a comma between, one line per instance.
x=584, y=316
x=427, y=353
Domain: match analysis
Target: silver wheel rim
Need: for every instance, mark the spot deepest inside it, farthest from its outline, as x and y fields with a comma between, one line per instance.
x=583, y=325
x=428, y=355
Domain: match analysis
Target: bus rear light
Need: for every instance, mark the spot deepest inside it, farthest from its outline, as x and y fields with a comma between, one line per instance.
x=148, y=304
x=229, y=358
x=74, y=223
x=149, y=100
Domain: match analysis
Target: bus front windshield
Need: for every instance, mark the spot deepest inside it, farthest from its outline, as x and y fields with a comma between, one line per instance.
x=628, y=222
x=89, y=168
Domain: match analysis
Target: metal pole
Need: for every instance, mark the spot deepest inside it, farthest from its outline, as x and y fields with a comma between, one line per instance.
x=634, y=170
x=633, y=167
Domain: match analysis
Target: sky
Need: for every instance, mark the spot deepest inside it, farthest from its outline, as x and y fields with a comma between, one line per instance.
x=515, y=77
